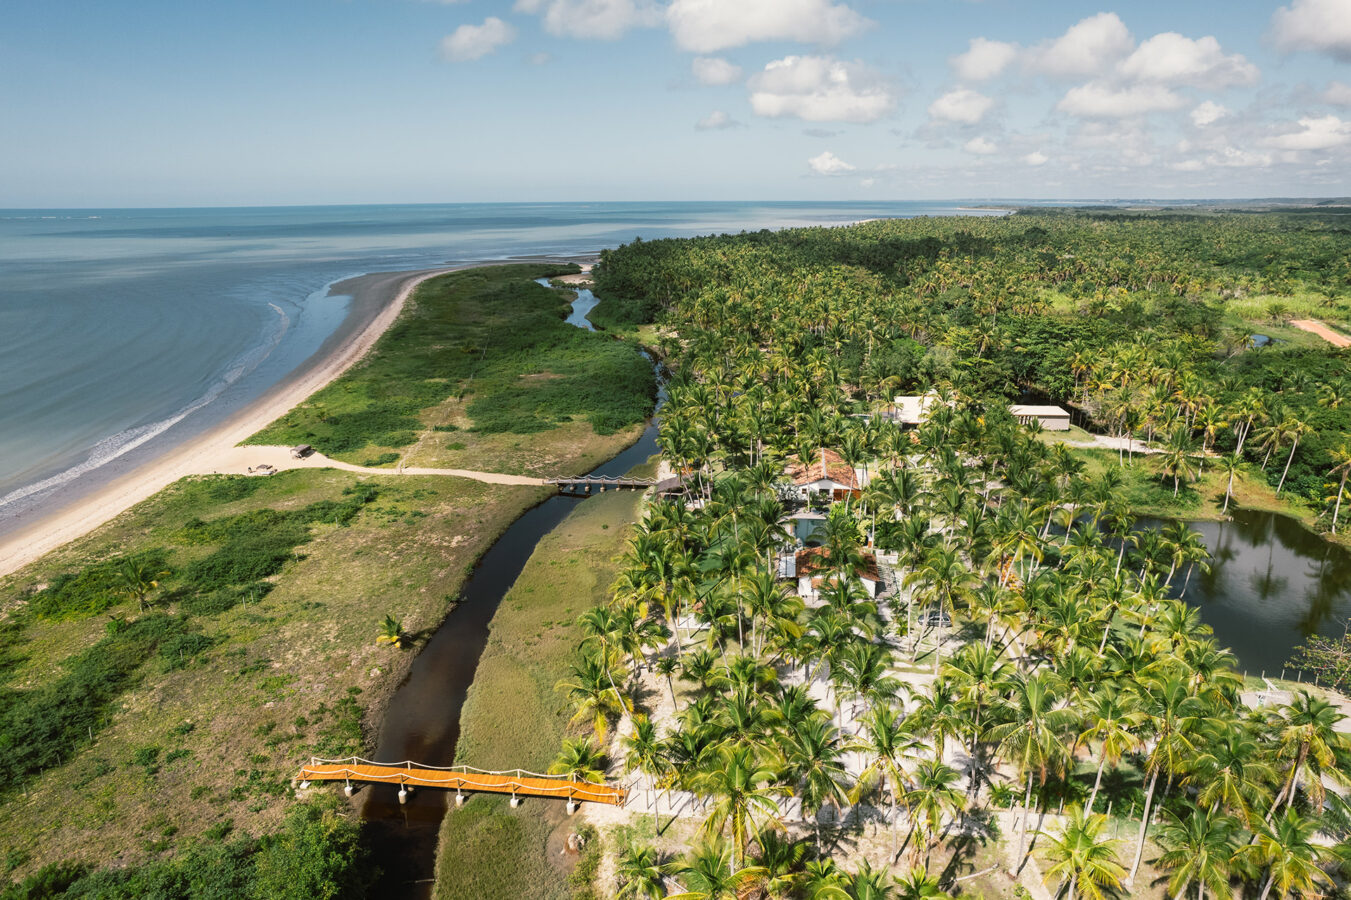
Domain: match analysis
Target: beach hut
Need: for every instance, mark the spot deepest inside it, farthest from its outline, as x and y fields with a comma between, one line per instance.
x=812, y=570
x=1051, y=418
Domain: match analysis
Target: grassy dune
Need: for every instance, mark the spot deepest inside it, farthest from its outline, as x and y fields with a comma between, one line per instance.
x=514, y=717
x=481, y=371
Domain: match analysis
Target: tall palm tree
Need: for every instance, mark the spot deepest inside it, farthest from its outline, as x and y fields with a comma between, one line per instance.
x=1111, y=718
x=1082, y=858
x=592, y=690
x=814, y=757
x=1229, y=466
x=1286, y=849
x=978, y=673
x=738, y=783
x=1293, y=429
x=1031, y=736
x=1198, y=846
x=1309, y=740
x=1341, y=468
x=932, y=799
x=644, y=752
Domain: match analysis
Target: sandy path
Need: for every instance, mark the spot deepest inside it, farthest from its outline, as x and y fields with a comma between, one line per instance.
x=1313, y=326
x=241, y=460
x=203, y=454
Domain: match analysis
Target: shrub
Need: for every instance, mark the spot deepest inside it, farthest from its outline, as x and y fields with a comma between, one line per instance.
x=93, y=589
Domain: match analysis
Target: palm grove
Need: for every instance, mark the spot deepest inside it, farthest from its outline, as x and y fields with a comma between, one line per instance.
x=1031, y=666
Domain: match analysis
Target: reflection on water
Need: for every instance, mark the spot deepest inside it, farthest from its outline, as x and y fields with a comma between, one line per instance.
x=1272, y=583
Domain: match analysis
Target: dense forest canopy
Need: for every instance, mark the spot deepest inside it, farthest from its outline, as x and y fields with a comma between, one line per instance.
x=1133, y=319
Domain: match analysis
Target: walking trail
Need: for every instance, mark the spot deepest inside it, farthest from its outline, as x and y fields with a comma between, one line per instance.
x=1313, y=326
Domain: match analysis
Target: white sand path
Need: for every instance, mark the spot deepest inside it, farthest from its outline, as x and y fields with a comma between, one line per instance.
x=243, y=460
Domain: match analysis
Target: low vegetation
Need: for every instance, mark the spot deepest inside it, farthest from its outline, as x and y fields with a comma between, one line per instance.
x=486, y=350
x=514, y=716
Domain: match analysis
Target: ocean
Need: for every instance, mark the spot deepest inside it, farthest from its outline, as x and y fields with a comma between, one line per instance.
x=124, y=331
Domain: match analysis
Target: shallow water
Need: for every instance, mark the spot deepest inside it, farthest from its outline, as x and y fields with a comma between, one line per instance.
x=1272, y=584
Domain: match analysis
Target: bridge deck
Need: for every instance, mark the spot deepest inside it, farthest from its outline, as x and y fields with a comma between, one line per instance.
x=463, y=778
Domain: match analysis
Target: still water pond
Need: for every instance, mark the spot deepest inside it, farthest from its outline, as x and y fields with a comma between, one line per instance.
x=1272, y=584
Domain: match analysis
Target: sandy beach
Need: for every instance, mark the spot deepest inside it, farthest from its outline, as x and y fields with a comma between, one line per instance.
x=377, y=300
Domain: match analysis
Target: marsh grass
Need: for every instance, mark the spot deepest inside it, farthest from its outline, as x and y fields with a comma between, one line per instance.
x=481, y=337
x=513, y=717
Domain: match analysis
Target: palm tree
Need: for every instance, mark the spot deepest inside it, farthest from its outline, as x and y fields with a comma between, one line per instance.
x=977, y=672
x=1082, y=858
x=593, y=692
x=391, y=632
x=1291, y=858
x=743, y=803
x=580, y=760
x=1308, y=738
x=1198, y=845
x=137, y=578
x=918, y=884
x=1341, y=467
x=1229, y=466
x=644, y=752
x=711, y=872
x=1293, y=430
x=1177, y=456
x=932, y=799
x=782, y=860
x=885, y=744
x=1112, y=718
x=641, y=874
x=1030, y=736
x=815, y=768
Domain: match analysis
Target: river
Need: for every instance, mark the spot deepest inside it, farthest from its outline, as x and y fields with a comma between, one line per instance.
x=422, y=721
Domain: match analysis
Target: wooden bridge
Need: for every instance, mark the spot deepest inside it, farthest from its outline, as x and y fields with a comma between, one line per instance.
x=407, y=775
x=585, y=485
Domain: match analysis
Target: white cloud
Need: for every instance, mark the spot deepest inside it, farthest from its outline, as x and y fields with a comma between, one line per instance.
x=820, y=89
x=601, y=19
x=706, y=26
x=983, y=60
x=476, y=41
x=980, y=146
x=1319, y=133
x=716, y=121
x=1036, y=158
x=1174, y=59
x=1338, y=94
x=1208, y=113
x=541, y=58
x=1085, y=48
x=1322, y=26
x=714, y=70
x=1234, y=158
x=1097, y=100
x=961, y=105
x=1187, y=165
x=828, y=163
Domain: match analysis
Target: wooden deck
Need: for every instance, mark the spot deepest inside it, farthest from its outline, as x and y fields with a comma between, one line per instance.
x=516, y=782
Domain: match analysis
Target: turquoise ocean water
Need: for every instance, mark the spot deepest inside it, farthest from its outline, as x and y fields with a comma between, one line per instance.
x=125, y=331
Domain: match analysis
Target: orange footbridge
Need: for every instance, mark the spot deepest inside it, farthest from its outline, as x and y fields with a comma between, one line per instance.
x=517, y=782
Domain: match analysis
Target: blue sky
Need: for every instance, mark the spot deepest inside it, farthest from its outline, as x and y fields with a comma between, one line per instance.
x=349, y=101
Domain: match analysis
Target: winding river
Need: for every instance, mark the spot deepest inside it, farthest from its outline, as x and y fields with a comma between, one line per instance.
x=422, y=721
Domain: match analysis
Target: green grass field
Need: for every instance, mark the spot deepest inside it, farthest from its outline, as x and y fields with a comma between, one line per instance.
x=233, y=687
x=513, y=717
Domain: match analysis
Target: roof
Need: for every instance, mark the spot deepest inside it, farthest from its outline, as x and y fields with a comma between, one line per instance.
x=815, y=559
x=913, y=410
x=828, y=466
x=1019, y=409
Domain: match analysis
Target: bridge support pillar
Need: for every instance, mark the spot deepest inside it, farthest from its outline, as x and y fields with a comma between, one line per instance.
x=403, y=794
x=515, y=801
x=572, y=807
x=459, y=799
x=348, y=789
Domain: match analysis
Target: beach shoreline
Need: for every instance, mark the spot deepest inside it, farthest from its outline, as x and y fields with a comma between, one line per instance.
x=377, y=300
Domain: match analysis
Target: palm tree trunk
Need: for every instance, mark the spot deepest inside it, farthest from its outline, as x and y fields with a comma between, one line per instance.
x=1229, y=491
x=1266, y=888
x=1027, y=813
x=1144, y=826
x=1286, y=470
x=1097, y=782
x=1338, y=508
